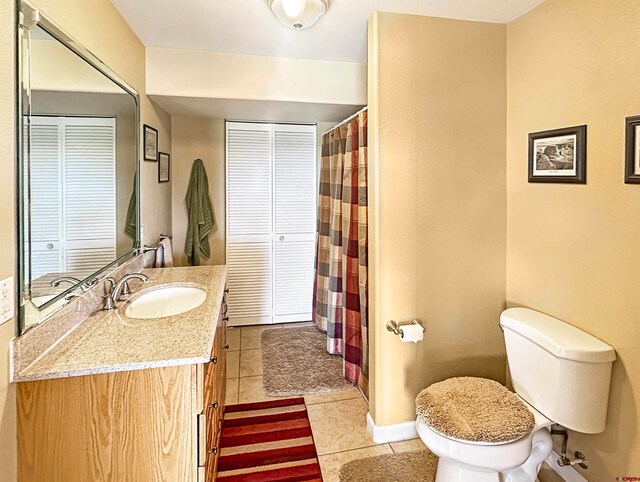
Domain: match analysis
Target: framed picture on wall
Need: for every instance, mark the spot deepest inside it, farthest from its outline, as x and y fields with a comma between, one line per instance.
x=164, y=167
x=150, y=141
x=632, y=157
x=559, y=155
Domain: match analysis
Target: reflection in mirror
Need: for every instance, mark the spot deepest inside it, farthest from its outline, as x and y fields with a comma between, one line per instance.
x=79, y=163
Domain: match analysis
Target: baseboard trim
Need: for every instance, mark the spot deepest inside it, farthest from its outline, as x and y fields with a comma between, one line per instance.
x=567, y=473
x=382, y=434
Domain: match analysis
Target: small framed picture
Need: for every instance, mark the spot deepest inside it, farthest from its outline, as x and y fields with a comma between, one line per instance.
x=164, y=167
x=559, y=155
x=632, y=157
x=150, y=140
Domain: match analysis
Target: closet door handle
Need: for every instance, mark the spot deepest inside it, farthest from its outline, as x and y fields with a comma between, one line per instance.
x=281, y=238
x=214, y=360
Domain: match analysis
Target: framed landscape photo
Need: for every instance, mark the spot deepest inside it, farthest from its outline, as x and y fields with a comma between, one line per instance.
x=632, y=156
x=164, y=167
x=150, y=142
x=559, y=155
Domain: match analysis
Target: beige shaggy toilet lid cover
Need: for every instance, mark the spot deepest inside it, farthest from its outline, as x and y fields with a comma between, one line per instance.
x=474, y=409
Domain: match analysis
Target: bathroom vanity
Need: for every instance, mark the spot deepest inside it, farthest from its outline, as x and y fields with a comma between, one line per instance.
x=121, y=398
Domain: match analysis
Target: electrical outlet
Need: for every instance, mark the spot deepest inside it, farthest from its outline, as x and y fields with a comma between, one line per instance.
x=6, y=300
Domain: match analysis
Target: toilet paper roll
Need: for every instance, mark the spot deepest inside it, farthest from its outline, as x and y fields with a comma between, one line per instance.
x=412, y=333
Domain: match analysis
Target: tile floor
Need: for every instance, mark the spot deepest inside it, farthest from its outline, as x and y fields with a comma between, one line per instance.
x=338, y=419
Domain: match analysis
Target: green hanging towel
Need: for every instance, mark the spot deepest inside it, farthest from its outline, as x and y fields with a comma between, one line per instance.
x=200, y=214
x=131, y=223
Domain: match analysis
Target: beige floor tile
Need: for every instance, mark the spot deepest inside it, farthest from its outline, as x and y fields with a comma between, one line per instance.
x=330, y=464
x=547, y=474
x=252, y=390
x=339, y=426
x=408, y=445
x=333, y=396
x=233, y=364
x=251, y=336
x=231, y=395
x=233, y=338
x=250, y=363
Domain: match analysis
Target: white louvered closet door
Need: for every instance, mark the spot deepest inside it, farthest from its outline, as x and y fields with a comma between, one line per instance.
x=294, y=221
x=73, y=192
x=249, y=223
x=89, y=163
x=45, y=176
x=271, y=212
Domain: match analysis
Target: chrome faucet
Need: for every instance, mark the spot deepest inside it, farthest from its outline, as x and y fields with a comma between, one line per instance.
x=86, y=286
x=117, y=289
x=64, y=279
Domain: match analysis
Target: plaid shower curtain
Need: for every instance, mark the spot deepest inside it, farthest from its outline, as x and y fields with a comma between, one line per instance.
x=340, y=290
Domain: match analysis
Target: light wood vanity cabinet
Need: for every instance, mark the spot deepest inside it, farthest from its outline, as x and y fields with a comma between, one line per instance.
x=157, y=424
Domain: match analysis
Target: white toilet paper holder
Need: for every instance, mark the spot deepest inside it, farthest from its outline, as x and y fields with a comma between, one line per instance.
x=396, y=328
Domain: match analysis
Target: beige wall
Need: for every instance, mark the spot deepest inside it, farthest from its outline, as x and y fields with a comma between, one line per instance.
x=218, y=75
x=573, y=250
x=55, y=67
x=198, y=138
x=437, y=195
x=100, y=28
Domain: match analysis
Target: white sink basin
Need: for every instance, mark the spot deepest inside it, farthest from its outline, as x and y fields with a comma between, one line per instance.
x=168, y=301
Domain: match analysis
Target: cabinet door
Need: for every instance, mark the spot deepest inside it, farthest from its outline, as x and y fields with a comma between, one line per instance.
x=214, y=393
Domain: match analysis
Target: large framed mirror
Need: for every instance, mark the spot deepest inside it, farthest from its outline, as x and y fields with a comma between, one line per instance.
x=78, y=175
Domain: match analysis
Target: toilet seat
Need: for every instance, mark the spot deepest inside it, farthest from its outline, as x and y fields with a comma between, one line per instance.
x=474, y=410
x=540, y=421
x=501, y=459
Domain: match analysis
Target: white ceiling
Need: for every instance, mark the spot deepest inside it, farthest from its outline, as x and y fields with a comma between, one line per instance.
x=248, y=27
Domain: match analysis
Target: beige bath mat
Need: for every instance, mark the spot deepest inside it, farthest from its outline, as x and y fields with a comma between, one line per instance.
x=295, y=362
x=408, y=466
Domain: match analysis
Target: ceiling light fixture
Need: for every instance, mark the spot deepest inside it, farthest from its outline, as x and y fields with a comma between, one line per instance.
x=298, y=14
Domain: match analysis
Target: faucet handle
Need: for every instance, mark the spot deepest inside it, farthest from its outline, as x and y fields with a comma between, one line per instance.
x=112, y=283
x=126, y=291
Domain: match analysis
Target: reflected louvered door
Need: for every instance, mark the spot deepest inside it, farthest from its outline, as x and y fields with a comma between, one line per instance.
x=72, y=194
x=294, y=221
x=249, y=223
x=89, y=193
x=45, y=195
x=271, y=212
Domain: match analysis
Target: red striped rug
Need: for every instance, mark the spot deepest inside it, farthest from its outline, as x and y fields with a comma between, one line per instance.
x=268, y=441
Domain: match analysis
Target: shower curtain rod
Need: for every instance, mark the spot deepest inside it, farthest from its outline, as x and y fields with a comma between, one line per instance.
x=347, y=119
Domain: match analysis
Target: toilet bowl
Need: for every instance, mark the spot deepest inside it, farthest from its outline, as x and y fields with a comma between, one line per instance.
x=482, y=432
x=464, y=461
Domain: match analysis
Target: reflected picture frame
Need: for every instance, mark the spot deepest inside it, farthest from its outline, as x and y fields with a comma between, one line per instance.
x=150, y=143
x=559, y=155
x=164, y=167
x=632, y=150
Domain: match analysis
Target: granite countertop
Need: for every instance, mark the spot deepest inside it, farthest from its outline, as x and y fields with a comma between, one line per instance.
x=109, y=341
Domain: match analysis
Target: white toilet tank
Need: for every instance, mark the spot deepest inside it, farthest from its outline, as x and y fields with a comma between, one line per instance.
x=561, y=371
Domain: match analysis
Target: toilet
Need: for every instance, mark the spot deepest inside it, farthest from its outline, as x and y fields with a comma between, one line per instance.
x=482, y=432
